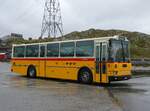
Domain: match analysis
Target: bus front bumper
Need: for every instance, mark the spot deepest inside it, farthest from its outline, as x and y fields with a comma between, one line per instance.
x=119, y=78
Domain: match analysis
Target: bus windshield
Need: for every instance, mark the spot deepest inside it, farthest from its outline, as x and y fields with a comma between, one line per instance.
x=119, y=51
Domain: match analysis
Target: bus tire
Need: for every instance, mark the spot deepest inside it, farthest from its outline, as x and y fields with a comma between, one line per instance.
x=85, y=76
x=31, y=72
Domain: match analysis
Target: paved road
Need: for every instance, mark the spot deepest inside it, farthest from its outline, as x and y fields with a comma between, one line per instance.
x=132, y=95
x=23, y=94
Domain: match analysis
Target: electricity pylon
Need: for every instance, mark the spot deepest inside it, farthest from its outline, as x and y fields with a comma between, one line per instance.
x=52, y=20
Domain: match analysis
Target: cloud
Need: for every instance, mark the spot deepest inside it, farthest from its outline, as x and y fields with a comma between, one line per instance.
x=25, y=17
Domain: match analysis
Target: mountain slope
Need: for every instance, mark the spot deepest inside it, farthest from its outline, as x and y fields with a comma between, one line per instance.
x=140, y=42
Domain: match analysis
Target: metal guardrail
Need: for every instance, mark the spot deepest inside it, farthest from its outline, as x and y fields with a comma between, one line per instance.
x=143, y=61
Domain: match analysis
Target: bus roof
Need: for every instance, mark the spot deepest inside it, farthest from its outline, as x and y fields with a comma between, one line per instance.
x=98, y=38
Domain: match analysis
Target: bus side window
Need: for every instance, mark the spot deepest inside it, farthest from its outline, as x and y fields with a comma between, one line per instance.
x=32, y=51
x=53, y=50
x=85, y=48
x=67, y=49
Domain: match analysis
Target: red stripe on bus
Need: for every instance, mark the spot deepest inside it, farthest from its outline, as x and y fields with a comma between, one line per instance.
x=56, y=59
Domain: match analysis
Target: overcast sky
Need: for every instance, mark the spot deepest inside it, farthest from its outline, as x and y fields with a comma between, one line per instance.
x=25, y=16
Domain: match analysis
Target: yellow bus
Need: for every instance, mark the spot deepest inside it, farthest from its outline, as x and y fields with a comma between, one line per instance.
x=98, y=60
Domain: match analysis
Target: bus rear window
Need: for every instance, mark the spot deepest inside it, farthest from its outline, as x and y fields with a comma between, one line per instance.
x=19, y=51
x=85, y=49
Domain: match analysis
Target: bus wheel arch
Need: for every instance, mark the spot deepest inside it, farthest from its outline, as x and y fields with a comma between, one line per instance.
x=31, y=71
x=85, y=75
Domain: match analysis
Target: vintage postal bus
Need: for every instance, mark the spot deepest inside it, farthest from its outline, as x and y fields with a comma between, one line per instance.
x=99, y=60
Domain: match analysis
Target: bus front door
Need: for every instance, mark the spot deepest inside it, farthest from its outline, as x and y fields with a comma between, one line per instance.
x=101, y=66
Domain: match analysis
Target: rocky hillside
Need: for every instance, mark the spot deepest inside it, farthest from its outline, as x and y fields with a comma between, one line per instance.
x=140, y=42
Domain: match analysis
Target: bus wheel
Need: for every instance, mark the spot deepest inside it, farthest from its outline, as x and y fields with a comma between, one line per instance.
x=31, y=72
x=85, y=76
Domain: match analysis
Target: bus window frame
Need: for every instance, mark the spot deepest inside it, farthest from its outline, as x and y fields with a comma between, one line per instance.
x=32, y=45
x=85, y=56
x=12, y=55
x=68, y=56
x=59, y=42
x=75, y=42
x=58, y=50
